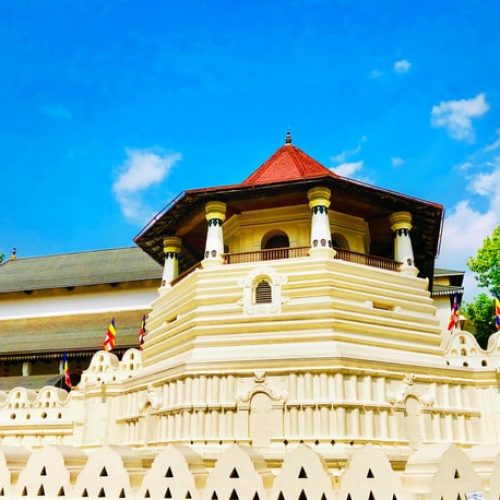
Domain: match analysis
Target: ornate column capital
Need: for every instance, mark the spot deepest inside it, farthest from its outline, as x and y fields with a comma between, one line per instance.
x=401, y=220
x=319, y=196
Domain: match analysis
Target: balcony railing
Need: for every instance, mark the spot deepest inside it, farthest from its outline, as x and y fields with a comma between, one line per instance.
x=272, y=254
x=367, y=260
x=291, y=253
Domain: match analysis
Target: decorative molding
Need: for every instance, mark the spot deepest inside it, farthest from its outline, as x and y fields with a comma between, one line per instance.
x=407, y=389
x=260, y=385
x=248, y=283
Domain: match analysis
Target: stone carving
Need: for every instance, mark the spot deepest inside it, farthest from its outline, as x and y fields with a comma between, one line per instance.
x=408, y=388
x=152, y=398
x=260, y=385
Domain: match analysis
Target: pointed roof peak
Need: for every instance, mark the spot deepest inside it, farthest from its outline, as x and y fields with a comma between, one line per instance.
x=288, y=163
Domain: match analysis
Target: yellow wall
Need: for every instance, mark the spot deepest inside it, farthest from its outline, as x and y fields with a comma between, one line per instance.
x=245, y=232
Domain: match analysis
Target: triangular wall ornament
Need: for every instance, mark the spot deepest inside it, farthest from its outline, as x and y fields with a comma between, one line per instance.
x=234, y=495
x=104, y=472
x=234, y=474
x=41, y=491
x=147, y=494
x=280, y=496
x=302, y=473
x=43, y=472
x=169, y=473
x=85, y=493
x=302, y=495
x=61, y=492
x=188, y=495
x=457, y=474
x=370, y=474
x=122, y=494
x=168, y=494
x=102, y=493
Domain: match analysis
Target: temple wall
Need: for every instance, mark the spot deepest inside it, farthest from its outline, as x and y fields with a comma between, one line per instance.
x=432, y=472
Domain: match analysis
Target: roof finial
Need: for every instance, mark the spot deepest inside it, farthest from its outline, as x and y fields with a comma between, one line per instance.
x=13, y=256
x=288, y=137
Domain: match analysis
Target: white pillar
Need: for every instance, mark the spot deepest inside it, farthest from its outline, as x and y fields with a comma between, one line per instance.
x=171, y=249
x=27, y=368
x=215, y=213
x=321, y=237
x=403, y=250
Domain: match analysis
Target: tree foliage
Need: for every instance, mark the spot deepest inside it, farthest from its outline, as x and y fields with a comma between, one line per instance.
x=486, y=265
x=480, y=316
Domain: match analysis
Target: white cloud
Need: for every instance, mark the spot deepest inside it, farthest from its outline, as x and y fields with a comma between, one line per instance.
x=342, y=157
x=348, y=169
x=494, y=145
x=375, y=74
x=402, y=66
x=466, y=227
x=141, y=170
x=456, y=115
x=396, y=161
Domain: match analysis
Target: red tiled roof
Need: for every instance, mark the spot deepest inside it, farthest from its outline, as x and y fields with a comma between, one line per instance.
x=287, y=163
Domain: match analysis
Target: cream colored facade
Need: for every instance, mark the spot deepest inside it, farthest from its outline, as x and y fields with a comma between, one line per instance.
x=337, y=383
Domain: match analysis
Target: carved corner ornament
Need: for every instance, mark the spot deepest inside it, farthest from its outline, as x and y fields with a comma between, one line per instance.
x=408, y=388
x=152, y=399
x=260, y=385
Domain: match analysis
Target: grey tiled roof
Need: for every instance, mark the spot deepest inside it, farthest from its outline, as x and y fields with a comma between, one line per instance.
x=54, y=334
x=446, y=272
x=78, y=269
x=34, y=382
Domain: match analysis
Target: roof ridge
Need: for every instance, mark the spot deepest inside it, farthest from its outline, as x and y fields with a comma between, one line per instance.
x=70, y=253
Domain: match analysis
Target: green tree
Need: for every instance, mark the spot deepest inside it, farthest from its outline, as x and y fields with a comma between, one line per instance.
x=480, y=316
x=2, y=256
x=486, y=265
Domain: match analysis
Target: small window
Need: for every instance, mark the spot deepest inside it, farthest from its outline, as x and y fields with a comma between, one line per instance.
x=263, y=293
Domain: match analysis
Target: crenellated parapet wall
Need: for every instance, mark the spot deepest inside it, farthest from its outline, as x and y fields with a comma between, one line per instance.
x=235, y=471
x=461, y=349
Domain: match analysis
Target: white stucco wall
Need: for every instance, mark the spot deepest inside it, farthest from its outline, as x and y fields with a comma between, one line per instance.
x=76, y=302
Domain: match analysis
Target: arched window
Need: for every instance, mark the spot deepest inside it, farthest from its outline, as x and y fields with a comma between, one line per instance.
x=275, y=239
x=277, y=242
x=263, y=293
x=340, y=241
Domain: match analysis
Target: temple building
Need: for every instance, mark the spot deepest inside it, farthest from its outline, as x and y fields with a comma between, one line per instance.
x=296, y=349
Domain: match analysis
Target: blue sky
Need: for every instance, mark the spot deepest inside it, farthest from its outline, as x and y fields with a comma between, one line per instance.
x=109, y=109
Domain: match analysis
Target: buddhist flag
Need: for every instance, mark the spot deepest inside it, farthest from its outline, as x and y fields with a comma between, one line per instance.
x=142, y=331
x=455, y=312
x=67, y=377
x=497, y=310
x=110, y=339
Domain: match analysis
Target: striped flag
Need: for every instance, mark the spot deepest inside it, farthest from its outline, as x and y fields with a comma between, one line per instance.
x=142, y=331
x=455, y=313
x=497, y=310
x=67, y=377
x=110, y=339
